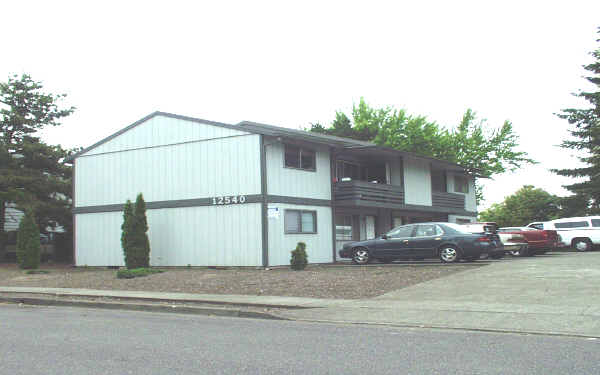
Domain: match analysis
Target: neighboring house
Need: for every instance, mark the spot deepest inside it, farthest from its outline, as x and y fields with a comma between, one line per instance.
x=246, y=194
x=12, y=218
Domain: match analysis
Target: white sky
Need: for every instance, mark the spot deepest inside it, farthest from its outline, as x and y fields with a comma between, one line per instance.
x=291, y=64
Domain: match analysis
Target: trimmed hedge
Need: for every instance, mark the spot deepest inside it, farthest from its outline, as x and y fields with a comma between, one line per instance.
x=136, y=272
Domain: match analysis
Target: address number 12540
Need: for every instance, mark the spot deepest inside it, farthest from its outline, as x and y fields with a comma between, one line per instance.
x=229, y=199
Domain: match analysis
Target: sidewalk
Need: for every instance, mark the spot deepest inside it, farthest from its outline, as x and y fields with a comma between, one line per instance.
x=552, y=294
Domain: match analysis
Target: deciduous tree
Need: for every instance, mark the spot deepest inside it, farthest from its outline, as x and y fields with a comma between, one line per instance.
x=483, y=150
x=526, y=205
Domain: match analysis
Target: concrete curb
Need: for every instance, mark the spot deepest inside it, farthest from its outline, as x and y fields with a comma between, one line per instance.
x=121, y=295
x=211, y=311
x=442, y=327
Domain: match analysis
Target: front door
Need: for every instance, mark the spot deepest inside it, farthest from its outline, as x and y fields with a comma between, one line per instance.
x=426, y=240
x=370, y=227
x=396, y=245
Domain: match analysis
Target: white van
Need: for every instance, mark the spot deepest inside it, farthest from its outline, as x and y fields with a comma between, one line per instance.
x=578, y=232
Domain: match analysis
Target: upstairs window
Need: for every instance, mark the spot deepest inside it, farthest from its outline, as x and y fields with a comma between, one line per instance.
x=299, y=158
x=461, y=184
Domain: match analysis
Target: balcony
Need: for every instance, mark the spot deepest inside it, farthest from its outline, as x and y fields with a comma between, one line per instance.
x=362, y=193
x=448, y=200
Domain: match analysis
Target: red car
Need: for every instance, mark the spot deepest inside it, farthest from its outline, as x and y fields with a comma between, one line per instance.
x=540, y=241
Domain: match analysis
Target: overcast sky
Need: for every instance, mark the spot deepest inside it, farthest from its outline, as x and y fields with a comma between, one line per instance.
x=293, y=63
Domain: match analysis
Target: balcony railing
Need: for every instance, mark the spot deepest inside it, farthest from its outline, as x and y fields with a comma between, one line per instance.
x=448, y=200
x=368, y=193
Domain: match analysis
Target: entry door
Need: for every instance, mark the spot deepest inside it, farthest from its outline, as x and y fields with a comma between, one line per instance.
x=370, y=227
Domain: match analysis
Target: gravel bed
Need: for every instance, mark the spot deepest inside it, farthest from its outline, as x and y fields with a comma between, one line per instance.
x=347, y=282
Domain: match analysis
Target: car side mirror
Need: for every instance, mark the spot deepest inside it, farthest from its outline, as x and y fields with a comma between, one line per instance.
x=384, y=237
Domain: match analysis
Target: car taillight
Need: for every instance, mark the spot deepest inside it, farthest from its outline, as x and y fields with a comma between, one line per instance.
x=483, y=239
x=545, y=234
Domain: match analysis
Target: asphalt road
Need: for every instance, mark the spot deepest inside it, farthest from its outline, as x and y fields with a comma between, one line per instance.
x=52, y=340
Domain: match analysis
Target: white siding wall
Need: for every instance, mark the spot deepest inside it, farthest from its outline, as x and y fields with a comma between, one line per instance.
x=454, y=218
x=417, y=181
x=161, y=130
x=198, y=236
x=470, y=201
x=395, y=171
x=318, y=246
x=294, y=182
x=226, y=166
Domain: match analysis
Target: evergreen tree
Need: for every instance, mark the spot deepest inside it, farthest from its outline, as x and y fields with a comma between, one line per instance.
x=585, y=130
x=32, y=173
x=28, y=243
x=126, y=234
x=140, y=235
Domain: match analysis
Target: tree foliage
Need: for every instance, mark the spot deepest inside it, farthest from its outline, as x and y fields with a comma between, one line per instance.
x=32, y=173
x=585, y=131
x=526, y=205
x=134, y=239
x=28, y=243
x=483, y=151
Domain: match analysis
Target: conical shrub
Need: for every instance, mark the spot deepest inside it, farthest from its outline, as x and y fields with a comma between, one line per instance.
x=28, y=242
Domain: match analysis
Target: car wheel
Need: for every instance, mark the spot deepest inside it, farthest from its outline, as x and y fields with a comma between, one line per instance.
x=449, y=254
x=361, y=256
x=582, y=244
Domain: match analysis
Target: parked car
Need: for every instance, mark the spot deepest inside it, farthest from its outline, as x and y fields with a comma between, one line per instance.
x=515, y=244
x=447, y=241
x=540, y=241
x=490, y=230
x=581, y=233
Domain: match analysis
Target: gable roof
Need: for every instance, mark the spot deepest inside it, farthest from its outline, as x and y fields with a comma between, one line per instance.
x=138, y=122
x=276, y=131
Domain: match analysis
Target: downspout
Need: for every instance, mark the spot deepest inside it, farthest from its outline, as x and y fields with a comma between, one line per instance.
x=73, y=227
x=332, y=176
x=264, y=203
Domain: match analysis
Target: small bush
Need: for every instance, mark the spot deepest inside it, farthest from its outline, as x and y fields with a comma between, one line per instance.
x=299, y=258
x=28, y=243
x=136, y=272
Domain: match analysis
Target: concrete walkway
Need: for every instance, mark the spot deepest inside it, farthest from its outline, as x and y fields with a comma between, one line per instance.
x=552, y=294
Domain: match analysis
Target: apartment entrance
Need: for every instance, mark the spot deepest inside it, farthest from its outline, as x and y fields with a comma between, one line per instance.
x=354, y=227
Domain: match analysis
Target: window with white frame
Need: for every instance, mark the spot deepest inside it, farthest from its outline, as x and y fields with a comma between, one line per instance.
x=461, y=184
x=299, y=158
x=300, y=221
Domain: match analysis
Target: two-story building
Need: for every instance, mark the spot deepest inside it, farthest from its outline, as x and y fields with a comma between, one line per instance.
x=246, y=194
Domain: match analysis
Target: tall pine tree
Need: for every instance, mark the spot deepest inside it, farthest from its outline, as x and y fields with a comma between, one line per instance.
x=585, y=130
x=32, y=173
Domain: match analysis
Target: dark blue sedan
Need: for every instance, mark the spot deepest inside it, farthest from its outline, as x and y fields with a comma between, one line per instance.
x=447, y=241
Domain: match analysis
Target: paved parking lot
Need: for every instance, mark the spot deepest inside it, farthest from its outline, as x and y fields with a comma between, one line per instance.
x=554, y=293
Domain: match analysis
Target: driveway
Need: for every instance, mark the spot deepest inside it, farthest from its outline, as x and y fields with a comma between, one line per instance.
x=555, y=293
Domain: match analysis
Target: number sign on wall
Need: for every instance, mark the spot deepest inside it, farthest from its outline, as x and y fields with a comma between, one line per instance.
x=229, y=199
